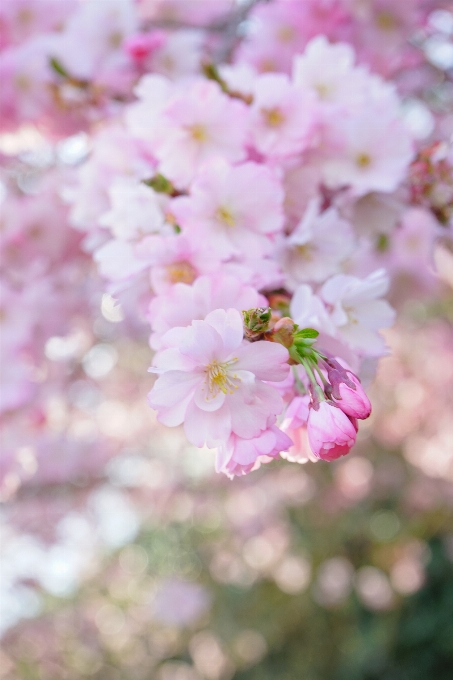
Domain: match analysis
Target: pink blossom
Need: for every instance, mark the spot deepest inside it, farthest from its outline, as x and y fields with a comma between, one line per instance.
x=179, y=56
x=282, y=118
x=21, y=19
x=115, y=155
x=308, y=310
x=281, y=34
x=370, y=152
x=212, y=380
x=327, y=72
x=356, y=310
x=331, y=433
x=183, y=303
x=194, y=13
x=25, y=77
x=117, y=261
x=225, y=208
x=175, y=258
x=140, y=45
x=301, y=185
x=239, y=456
x=296, y=415
x=102, y=28
x=196, y=125
x=136, y=209
x=317, y=247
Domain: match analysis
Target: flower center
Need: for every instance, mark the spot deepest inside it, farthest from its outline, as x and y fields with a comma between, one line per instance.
x=115, y=39
x=219, y=380
x=225, y=216
x=351, y=314
x=181, y=272
x=198, y=133
x=386, y=21
x=273, y=117
x=25, y=16
x=285, y=34
x=323, y=90
x=305, y=251
x=363, y=160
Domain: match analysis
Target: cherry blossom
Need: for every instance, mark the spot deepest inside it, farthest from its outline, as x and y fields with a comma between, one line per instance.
x=239, y=456
x=213, y=383
x=183, y=302
x=282, y=119
x=317, y=247
x=225, y=207
x=356, y=310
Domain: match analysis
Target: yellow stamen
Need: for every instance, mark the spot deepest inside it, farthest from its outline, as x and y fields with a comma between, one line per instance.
x=305, y=251
x=323, y=90
x=219, y=380
x=273, y=117
x=198, y=133
x=25, y=16
x=285, y=34
x=115, y=39
x=181, y=272
x=386, y=21
x=363, y=160
x=351, y=314
x=224, y=215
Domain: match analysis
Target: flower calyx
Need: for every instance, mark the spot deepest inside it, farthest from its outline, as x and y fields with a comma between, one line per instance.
x=256, y=322
x=161, y=185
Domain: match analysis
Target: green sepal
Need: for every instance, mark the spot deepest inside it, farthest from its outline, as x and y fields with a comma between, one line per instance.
x=306, y=334
x=58, y=67
x=382, y=243
x=211, y=72
x=160, y=184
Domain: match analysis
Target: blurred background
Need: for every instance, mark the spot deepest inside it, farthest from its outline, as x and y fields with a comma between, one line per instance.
x=126, y=557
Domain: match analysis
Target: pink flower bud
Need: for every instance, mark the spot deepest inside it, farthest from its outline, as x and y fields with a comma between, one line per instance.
x=331, y=433
x=354, y=403
x=141, y=45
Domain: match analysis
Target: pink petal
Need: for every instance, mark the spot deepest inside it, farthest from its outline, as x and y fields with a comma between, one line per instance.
x=267, y=360
x=202, y=343
x=229, y=325
x=204, y=428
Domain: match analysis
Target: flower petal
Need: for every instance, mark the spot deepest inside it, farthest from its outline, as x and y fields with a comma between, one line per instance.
x=267, y=360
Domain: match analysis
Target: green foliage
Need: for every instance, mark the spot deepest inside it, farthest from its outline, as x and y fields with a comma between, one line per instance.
x=58, y=67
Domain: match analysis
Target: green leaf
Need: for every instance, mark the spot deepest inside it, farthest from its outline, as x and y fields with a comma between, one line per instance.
x=58, y=67
x=306, y=334
x=160, y=184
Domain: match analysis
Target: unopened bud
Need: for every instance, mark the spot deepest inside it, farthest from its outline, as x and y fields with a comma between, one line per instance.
x=283, y=332
x=256, y=322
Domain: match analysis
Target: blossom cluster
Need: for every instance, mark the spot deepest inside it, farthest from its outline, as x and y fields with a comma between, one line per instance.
x=239, y=190
x=279, y=172
x=42, y=285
